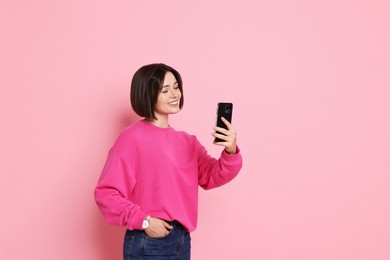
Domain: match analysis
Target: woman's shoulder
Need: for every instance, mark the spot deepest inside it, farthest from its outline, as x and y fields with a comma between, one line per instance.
x=130, y=133
x=131, y=129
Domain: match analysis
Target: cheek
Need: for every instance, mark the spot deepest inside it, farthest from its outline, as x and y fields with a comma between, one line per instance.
x=161, y=100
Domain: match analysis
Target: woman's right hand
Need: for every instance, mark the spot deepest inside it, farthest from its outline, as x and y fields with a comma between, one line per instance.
x=157, y=228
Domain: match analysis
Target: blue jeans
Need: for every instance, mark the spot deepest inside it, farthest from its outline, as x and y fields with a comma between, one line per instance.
x=174, y=246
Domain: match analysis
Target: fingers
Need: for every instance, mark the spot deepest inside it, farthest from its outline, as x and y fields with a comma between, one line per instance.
x=227, y=123
x=220, y=133
x=164, y=229
x=158, y=228
x=228, y=136
x=223, y=137
x=224, y=134
x=167, y=225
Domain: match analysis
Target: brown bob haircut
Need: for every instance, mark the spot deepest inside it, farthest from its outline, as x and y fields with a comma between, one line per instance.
x=147, y=84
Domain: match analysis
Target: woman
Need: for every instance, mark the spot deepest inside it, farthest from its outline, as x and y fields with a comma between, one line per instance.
x=149, y=183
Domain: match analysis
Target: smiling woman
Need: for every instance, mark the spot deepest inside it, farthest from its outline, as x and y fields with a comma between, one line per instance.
x=168, y=102
x=150, y=181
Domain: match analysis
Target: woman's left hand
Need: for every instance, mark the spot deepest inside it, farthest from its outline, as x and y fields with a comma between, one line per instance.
x=228, y=136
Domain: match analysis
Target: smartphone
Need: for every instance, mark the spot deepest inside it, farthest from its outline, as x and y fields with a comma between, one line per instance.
x=223, y=110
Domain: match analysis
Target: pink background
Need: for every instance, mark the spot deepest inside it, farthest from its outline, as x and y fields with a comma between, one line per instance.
x=310, y=83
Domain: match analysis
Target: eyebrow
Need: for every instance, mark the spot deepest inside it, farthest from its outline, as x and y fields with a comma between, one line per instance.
x=166, y=86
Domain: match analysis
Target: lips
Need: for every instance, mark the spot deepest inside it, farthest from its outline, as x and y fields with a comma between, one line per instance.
x=174, y=103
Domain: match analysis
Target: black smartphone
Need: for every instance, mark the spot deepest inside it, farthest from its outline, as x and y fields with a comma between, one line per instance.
x=223, y=110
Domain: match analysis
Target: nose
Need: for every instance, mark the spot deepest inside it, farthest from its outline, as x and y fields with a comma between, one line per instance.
x=174, y=92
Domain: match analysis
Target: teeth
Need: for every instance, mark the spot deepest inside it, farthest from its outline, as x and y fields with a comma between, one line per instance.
x=174, y=103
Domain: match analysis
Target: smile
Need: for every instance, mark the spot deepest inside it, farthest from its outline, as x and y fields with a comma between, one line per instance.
x=174, y=103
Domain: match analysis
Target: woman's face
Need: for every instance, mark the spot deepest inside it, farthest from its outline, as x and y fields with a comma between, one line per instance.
x=168, y=101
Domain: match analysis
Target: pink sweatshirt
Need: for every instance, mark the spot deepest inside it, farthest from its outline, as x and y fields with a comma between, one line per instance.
x=156, y=171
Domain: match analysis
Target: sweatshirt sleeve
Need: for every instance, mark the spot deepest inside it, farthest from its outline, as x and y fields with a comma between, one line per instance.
x=217, y=172
x=113, y=193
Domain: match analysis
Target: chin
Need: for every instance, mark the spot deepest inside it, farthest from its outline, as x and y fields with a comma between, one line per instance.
x=174, y=111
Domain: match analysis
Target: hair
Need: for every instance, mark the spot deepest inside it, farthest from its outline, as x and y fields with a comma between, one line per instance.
x=146, y=85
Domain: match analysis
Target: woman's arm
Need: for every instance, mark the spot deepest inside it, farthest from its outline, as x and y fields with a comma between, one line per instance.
x=113, y=193
x=214, y=173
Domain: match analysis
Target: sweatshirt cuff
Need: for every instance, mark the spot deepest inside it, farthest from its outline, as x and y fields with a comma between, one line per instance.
x=137, y=220
x=232, y=159
x=226, y=153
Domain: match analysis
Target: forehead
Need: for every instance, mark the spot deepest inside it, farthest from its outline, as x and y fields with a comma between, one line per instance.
x=169, y=78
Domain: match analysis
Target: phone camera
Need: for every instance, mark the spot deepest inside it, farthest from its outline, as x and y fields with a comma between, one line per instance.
x=228, y=109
